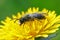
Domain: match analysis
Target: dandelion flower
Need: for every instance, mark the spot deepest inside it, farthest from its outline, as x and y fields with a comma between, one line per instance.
x=28, y=30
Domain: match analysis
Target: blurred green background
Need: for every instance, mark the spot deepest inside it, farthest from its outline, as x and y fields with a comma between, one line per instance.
x=9, y=7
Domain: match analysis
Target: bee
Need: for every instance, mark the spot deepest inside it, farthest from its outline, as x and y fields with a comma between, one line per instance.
x=29, y=17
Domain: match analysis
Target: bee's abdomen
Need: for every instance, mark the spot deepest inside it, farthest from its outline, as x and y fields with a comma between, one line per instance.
x=38, y=16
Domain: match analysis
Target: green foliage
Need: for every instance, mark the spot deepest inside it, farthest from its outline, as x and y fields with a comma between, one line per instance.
x=9, y=7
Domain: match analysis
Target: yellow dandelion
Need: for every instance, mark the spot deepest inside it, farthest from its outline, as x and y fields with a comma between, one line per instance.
x=21, y=27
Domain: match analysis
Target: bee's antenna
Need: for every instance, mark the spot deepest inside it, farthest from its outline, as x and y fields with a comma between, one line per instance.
x=15, y=20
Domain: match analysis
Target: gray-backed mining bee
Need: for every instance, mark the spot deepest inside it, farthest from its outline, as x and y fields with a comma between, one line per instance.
x=28, y=17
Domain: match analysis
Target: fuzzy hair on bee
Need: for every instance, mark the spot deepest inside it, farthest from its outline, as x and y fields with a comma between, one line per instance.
x=29, y=17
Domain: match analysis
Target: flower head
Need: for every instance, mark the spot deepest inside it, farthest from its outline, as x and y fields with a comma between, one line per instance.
x=12, y=28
